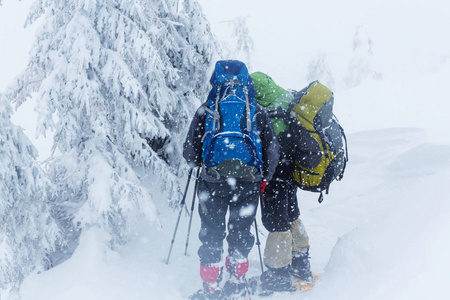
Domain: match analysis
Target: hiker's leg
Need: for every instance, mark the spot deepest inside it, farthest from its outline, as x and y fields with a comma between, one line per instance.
x=300, y=266
x=275, y=207
x=293, y=209
x=243, y=202
x=300, y=238
x=212, y=210
x=278, y=251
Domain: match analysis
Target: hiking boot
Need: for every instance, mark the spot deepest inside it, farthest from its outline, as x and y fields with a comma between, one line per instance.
x=202, y=294
x=301, y=266
x=277, y=280
x=236, y=287
x=211, y=276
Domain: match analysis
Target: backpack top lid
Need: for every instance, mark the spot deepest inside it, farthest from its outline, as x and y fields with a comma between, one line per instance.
x=269, y=94
x=231, y=69
x=274, y=98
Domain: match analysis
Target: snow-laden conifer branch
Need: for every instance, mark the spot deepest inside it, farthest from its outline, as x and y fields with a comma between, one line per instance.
x=116, y=82
x=28, y=231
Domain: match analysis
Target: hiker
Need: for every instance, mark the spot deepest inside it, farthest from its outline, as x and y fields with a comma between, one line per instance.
x=287, y=247
x=238, y=193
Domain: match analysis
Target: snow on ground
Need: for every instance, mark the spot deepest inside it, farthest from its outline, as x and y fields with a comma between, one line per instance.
x=396, y=239
x=381, y=233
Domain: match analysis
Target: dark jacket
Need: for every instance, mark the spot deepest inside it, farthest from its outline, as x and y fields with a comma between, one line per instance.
x=193, y=146
x=296, y=144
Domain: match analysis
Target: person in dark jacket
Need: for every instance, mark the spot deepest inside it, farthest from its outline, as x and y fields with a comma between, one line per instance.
x=217, y=196
x=287, y=245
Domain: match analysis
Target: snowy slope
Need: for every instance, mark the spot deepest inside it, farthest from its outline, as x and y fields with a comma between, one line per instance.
x=395, y=242
x=381, y=233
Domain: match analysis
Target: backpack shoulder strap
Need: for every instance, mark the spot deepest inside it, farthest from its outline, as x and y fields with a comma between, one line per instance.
x=278, y=113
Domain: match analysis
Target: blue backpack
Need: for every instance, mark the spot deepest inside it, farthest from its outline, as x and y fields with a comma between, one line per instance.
x=231, y=144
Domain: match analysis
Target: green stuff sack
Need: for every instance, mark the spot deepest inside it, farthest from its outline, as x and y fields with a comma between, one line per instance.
x=313, y=108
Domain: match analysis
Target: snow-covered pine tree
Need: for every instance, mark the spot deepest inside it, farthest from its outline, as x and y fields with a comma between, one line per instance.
x=318, y=69
x=242, y=44
x=28, y=232
x=117, y=81
x=361, y=65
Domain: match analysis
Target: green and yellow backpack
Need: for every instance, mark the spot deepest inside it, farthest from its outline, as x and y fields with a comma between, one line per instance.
x=313, y=108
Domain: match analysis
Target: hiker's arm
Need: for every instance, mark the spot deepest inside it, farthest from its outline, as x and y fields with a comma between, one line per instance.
x=192, y=147
x=307, y=151
x=270, y=146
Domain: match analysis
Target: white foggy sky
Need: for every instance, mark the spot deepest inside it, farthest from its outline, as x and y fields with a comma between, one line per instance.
x=15, y=40
x=408, y=35
x=411, y=49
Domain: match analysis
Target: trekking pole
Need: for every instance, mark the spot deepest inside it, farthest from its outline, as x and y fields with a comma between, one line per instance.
x=183, y=201
x=258, y=243
x=192, y=210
